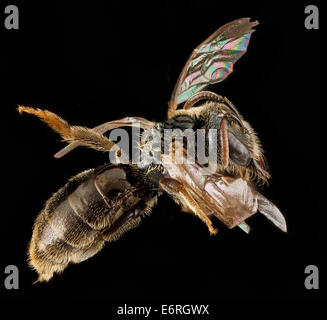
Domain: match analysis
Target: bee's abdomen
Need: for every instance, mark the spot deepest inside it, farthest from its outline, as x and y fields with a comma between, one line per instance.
x=49, y=252
x=77, y=219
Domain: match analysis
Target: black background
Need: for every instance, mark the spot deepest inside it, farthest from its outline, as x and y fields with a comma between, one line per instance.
x=96, y=62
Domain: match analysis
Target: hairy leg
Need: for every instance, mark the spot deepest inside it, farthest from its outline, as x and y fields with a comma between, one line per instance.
x=83, y=136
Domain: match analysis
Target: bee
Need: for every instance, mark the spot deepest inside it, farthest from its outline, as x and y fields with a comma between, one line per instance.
x=99, y=205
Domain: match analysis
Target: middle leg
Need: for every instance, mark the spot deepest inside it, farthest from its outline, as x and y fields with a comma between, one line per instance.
x=179, y=192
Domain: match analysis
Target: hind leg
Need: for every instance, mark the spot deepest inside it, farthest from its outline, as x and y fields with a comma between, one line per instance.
x=81, y=135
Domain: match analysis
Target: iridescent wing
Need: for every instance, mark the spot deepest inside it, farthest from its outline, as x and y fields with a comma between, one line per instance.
x=212, y=61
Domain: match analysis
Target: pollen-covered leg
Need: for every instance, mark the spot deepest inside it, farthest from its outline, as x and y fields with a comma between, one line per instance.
x=82, y=135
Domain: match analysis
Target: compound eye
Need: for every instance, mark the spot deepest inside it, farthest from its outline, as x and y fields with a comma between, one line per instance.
x=238, y=152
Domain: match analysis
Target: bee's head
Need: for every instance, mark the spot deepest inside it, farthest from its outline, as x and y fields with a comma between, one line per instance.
x=245, y=148
x=238, y=145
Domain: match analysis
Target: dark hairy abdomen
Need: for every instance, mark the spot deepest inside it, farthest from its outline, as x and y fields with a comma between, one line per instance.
x=95, y=206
